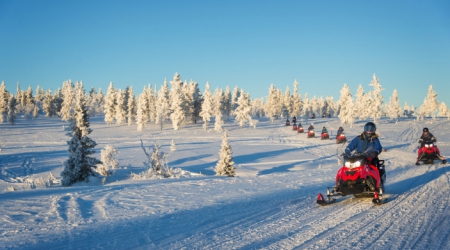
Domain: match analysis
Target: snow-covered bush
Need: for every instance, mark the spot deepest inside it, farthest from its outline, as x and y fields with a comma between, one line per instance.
x=156, y=162
x=108, y=156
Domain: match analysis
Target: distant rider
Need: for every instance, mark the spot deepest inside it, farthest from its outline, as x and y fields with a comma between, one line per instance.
x=311, y=127
x=294, y=120
x=340, y=130
x=324, y=130
x=367, y=143
x=428, y=138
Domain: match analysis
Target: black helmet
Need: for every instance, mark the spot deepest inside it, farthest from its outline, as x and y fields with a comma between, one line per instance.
x=370, y=126
x=425, y=129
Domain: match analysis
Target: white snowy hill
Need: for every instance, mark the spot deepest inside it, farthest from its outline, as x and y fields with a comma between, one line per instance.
x=270, y=204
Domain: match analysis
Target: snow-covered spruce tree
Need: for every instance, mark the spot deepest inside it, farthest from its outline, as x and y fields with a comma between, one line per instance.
x=3, y=102
x=257, y=108
x=35, y=112
x=131, y=106
x=120, y=113
x=430, y=105
x=67, y=102
x=444, y=111
x=173, y=147
x=225, y=165
x=141, y=111
x=272, y=103
x=108, y=156
x=177, y=102
x=151, y=112
x=99, y=101
x=331, y=106
x=307, y=106
x=227, y=102
x=207, y=106
x=218, y=109
x=346, y=114
x=243, y=111
x=109, y=106
x=394, y=110
x=196, y=101
x=234, y=97
x=287, y=103
x=11, y=113
x=161, y=108
x=47, y=105
x=80, y=164
x=296, y=101
x=376, y=107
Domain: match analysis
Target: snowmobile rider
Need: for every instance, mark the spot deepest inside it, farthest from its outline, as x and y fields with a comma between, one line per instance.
x=428, y=138
x=324, y=130
x=340, y=130
x=367, y=143
x=294, y=120
x=311, y=127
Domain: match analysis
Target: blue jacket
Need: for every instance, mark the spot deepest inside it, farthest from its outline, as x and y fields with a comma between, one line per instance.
x=374, y=145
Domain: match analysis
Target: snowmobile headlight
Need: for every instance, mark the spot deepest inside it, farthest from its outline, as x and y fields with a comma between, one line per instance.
x=428, y=145
x=352, y=164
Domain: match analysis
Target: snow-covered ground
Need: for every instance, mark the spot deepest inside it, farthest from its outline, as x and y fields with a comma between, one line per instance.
x=270, y=204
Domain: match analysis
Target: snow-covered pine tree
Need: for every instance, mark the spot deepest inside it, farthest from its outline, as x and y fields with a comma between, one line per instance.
x=141, y=111
x=376, y=107
x=234, y=98
x=307, y=106
x=257, y=107
x=394, y=110
x=296, y=101
x=347, y=107
x=207, y=106
x=218, y=109
x=272, y=103
x=332, y=106
x=359, y=101
x=80, y=164
x=11, y=112
x=287, y=103
x=161, y=108
x=225, y=165
x=177, y=102
x=108, y=156
x=67, y=100
x=131, y=106
x=173, y=147
x=227, y=102
x=100, y=101
x=444, y=111
x=109, y=105
x=430, y=105
x=3, y=101
x=151, y=113
x=243, y=110
x=47, y=104
x=120, y=110
x=35, y=112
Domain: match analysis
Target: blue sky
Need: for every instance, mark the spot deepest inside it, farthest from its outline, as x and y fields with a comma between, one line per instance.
x=250, y=44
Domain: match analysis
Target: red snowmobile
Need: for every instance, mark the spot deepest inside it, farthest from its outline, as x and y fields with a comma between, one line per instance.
x=311, y=134
x=325, y=136
x=300, y=129
x=341, y=138
x=428, y=153
x=294, y=127
x=358, y=178
x=288, y=123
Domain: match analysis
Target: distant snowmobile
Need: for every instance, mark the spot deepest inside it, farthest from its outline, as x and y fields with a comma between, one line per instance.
x=324, y=136
x=294, y=127
x=359, y=178
x=300, y=129
x=428, y=153
x=341, y=138
x=311, y=134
